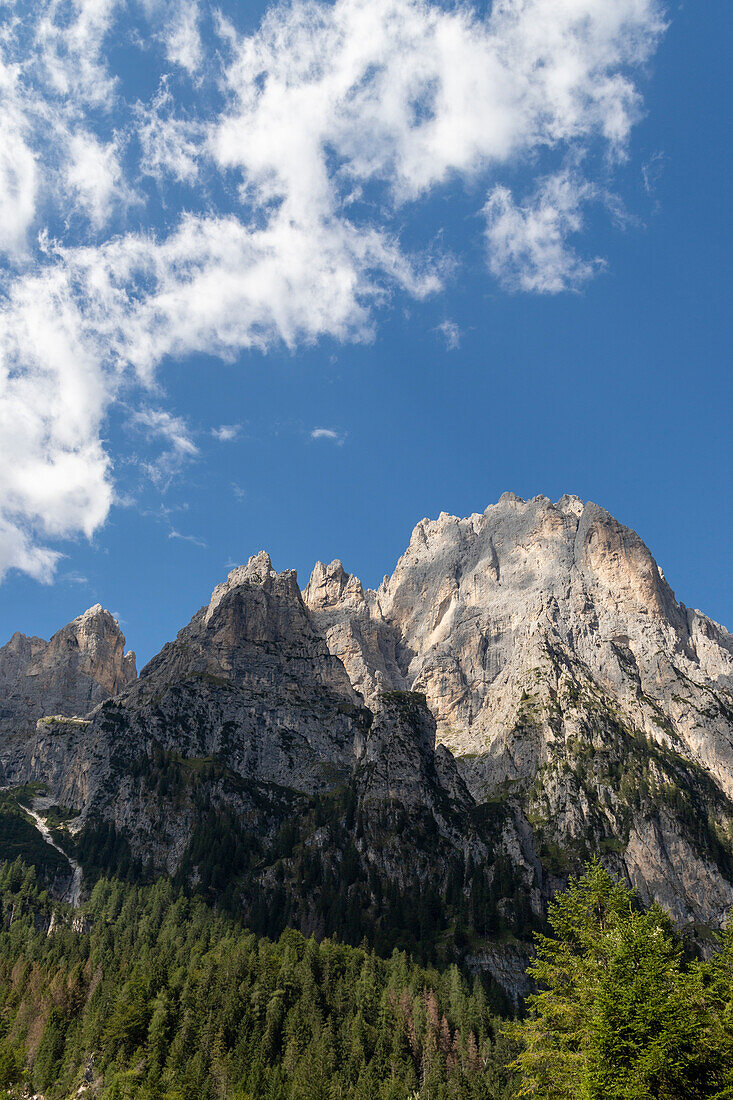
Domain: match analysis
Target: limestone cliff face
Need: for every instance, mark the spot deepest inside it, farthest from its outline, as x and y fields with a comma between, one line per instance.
x=355, y=630
x=400, y=764
x=475, y=606
x=559, y=666
x=255, y=633
x=82, y=664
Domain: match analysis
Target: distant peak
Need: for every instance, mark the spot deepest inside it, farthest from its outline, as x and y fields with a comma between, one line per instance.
x=95, y=618
x=259, y=565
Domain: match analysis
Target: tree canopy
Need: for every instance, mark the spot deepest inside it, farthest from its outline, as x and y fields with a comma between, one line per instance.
x=619, y=1012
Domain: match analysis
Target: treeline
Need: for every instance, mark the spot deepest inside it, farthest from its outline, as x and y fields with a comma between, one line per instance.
x=148, y=994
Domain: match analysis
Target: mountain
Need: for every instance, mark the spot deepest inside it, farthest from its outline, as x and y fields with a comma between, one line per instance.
x=421, y=765
x=82, y=664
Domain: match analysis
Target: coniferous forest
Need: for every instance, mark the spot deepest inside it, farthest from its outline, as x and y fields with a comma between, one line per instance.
x=150, y=994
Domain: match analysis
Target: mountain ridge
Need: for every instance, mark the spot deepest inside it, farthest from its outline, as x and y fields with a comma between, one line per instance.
x=521, y=692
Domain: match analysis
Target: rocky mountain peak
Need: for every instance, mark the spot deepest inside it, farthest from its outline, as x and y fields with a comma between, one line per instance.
x=331, y=586
x=258, y=571
x=81, y=665
x=534, y=692
x=475, y=604
x=255, y=630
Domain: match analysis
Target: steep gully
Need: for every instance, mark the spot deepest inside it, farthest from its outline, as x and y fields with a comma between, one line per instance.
x=73, y=892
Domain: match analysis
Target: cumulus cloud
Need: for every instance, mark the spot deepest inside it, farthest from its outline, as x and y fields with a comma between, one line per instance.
x=304, y=147
x=54, y=472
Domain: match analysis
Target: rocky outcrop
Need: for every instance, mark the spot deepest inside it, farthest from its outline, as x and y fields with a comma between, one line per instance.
x=351, y=622
x=475, y=601
x=249, y=683
x=82, y=664
x=399, y=762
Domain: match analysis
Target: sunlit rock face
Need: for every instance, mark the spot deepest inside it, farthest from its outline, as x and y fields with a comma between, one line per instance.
x=484, y=612
x=82, y=664
x=559, y=668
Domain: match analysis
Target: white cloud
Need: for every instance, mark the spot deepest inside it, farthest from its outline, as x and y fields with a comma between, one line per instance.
x=217, y=285
x=18, y=170
x=54, y=473
x=173, y=534
x=74, y=577
x=528, y=247
x=68, y=49
x=169, y=145
x=226, y=432
x=328, y=434
x=174, y=432
x=337, y=119
x=94, y=176
x=652, y=171
x=183, y=41
x=451, y=333
x=409, y=93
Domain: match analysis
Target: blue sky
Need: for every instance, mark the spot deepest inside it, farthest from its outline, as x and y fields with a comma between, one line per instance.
x=296, y=284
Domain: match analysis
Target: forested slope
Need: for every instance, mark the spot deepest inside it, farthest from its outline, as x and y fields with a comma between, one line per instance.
x=145, y=993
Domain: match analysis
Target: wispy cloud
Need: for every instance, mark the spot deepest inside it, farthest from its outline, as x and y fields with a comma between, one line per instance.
x=652, y=170
x=164, y=514
x=173, y=534
x=178, y=448
x=528, y=242
x=226, y=433
x=451, y=333
x=302, y=149
x=73, y=577
x=328, y=434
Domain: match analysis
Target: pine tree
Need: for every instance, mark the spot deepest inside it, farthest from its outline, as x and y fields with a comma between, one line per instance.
x=614, y=1018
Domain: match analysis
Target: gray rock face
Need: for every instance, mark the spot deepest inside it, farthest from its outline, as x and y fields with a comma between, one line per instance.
x=541, y=633
x=355, y=630
x=83, y=663
x=249, y=682
x=399, y=763
x=474, y=602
